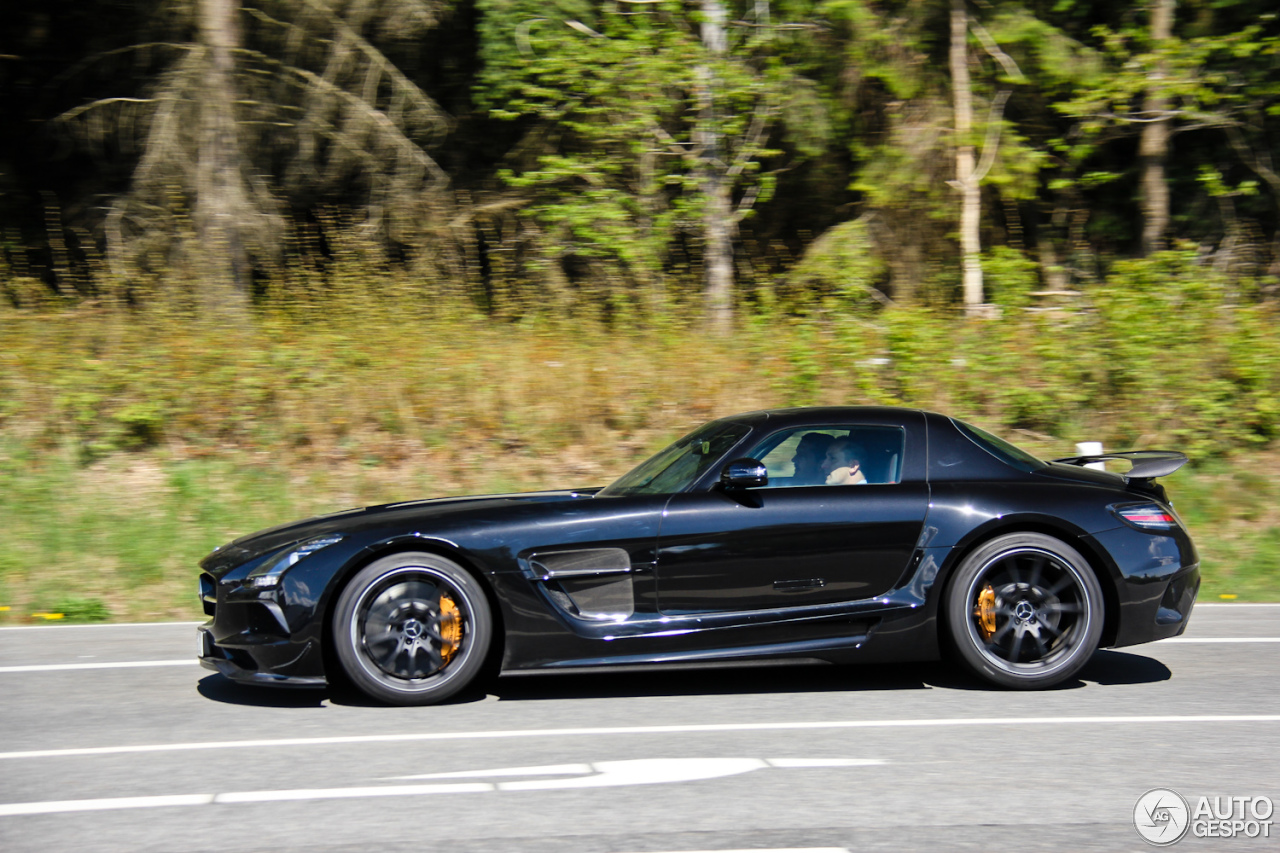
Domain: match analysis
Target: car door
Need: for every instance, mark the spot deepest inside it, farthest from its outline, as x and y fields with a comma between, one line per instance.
x=788, y=544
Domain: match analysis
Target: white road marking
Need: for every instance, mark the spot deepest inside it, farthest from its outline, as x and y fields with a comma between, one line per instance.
x=601, y=774
x=645, y=771
x=543, y=770
x=824, y=762
x=770, y=850
x=647, y=730
x=351, y=793
x=130, y=664
x=56, y=806
x=1220, y=640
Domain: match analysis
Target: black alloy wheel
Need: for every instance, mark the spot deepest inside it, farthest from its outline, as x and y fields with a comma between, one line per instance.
x=412, y=629
x=1024, y=611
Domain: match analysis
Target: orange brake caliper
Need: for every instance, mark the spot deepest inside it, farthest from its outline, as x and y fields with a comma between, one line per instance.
x=986, y=613
x=450, y=627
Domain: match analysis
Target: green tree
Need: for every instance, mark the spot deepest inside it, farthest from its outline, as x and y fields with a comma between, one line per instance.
x=1202, y=73
x=250, y=107
x=645, y=128
x=918, y=132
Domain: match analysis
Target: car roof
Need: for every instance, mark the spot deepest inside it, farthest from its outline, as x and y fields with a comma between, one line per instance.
x=801, y=415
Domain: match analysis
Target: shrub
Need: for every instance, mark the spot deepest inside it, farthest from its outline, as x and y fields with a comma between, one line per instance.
x=75, y=609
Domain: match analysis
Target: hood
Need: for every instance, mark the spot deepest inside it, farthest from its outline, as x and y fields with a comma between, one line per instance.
x=406, y=514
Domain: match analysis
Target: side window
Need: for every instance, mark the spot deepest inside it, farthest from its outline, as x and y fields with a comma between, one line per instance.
x=819, y=456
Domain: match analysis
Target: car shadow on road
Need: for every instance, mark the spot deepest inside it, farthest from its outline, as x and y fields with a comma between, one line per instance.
x=713, y=679
x=219, y=688
x=1112, y=667
x=1105, y=667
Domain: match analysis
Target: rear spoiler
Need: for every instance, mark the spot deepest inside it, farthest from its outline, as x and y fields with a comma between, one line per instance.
x=1147, y=464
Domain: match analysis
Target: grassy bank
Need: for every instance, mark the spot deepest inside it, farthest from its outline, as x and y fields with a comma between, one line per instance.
x=1156, y=356
x=133, y=441
x=119, y=539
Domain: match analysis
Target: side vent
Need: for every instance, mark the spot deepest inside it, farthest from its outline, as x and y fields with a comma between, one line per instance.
x=590, y=561
x=593, y=583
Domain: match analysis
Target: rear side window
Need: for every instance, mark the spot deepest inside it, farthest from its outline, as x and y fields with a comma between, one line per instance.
x=999, y=448
x=808, y=456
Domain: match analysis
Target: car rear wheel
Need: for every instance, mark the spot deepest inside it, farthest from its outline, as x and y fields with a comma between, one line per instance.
x=1024, y=611
x=412, y=629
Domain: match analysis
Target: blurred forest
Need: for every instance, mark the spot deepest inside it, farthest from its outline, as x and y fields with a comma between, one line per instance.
x=389, y=248
x=572, y=155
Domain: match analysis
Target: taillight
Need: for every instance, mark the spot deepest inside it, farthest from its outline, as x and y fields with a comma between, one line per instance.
x=1147, y=515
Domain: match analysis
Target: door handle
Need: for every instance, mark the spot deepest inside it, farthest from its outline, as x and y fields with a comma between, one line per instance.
x=798, y=585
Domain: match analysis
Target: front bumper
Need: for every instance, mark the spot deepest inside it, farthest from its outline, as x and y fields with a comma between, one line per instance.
x=263, y=636
x=255, y=661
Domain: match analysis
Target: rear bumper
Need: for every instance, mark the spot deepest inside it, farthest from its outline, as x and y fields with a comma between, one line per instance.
x=1156, y=576
x=1157, y=609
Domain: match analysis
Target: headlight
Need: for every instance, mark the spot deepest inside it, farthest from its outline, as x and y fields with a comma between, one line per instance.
x=268, y=574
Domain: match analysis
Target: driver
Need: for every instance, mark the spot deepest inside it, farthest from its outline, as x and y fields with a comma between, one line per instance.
x=808, y=459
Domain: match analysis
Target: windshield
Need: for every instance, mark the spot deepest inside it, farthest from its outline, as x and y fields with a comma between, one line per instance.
x=999, y=448
x=677, y=467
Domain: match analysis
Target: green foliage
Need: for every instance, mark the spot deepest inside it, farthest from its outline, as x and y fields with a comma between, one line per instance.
x=1162, y=321
x=882, y=42
x=1058, y=61
x=842, y=265
x=315, y=411
x=1009, y=277
x=1231, y=509
x=75, y=609
x=1213, y=77
x=537, y=311
x=601, y=191
x=802, y=378
x=547, y=155
x=615, y=102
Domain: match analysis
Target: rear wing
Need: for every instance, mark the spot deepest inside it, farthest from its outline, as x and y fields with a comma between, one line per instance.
x=1147, y=464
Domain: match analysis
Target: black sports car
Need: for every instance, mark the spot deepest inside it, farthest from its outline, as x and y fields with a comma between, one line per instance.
x=843, y=534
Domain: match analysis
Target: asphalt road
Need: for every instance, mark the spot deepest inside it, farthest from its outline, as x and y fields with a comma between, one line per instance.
x=99, y=755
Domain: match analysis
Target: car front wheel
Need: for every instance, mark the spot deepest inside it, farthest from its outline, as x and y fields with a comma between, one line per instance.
x=1024, y=611
x=412, y=629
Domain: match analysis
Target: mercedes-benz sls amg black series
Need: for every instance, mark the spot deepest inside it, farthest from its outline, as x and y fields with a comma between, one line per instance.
x=841, y=534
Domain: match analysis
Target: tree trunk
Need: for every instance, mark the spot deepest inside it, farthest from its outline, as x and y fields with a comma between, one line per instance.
x=970, y=194
x=221, y=199
x=717, y=224
x=1154, y=146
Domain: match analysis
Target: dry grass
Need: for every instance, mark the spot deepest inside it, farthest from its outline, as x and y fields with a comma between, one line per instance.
x=126, y=532
x=132, y=442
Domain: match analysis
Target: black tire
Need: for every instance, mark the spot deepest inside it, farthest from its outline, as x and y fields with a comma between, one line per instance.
x=1043, y=609
x=412, y=629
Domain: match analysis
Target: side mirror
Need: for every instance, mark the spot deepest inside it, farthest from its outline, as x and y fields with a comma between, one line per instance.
x=744, y=473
